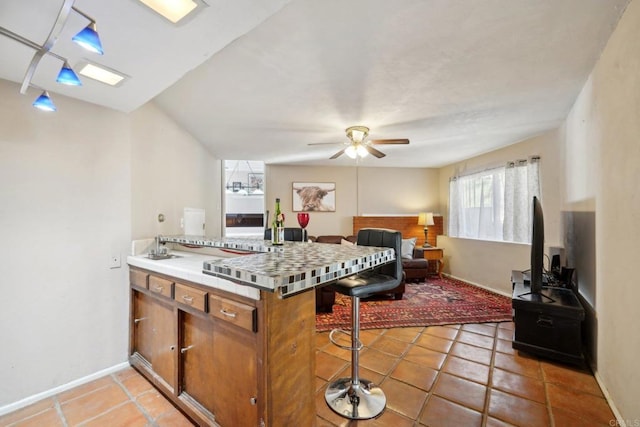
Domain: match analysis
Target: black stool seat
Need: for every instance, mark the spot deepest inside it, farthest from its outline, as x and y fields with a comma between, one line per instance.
x=357, y=398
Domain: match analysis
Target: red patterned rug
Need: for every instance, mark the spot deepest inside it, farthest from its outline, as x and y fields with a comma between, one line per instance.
x=434, y=302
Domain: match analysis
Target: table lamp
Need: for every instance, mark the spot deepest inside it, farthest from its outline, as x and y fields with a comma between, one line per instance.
x=426, y=219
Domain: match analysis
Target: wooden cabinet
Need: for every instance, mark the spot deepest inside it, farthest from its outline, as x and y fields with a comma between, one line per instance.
x=437, y=255
x=205, y=349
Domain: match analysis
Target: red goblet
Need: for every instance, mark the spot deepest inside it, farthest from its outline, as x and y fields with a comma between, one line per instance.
x=303, y=220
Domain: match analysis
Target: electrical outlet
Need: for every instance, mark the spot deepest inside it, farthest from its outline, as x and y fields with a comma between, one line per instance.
x=114, y=261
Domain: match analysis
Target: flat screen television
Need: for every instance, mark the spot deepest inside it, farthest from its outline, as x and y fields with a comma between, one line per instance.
x=537, y=247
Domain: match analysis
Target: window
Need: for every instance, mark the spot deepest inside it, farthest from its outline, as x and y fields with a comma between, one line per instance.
x=495, y=204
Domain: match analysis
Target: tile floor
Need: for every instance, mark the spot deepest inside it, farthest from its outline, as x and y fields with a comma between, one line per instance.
x=437, y=376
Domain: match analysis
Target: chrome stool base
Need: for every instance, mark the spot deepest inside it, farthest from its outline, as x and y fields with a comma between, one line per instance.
x=360, y=401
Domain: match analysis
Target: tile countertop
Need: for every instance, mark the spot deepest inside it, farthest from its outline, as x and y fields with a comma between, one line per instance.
x=287, y=269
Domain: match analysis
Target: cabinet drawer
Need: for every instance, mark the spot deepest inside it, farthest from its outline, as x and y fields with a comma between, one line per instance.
x=191, y=296
x=237, y=313
x=160, y=286
x=138, y=278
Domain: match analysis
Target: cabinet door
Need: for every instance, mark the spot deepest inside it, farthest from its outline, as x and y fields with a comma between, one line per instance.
x=163, y=361
x=142, y=326
x=235, y=385
x=196, y=349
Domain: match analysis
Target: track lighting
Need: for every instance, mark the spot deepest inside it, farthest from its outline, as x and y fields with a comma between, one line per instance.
x=87, y=38
x=44, y=102
x=67, y=76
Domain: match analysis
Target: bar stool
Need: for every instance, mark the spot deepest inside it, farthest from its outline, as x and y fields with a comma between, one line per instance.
x=357, y=398
x=291, y=234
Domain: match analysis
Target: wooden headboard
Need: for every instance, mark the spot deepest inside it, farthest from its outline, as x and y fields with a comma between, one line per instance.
x=407, y=225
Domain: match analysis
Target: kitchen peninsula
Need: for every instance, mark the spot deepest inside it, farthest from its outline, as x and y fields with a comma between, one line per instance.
x=230, y=337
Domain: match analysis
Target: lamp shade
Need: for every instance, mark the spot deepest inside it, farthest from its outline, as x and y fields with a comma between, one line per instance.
x=89, y=39
x=425, y=218
x=44, y=102
x=67, y=76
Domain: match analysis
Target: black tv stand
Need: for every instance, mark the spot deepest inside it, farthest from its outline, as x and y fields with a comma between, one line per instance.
x=547, y=323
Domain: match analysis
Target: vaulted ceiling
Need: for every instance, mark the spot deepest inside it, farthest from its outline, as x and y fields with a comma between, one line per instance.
x=261, y=79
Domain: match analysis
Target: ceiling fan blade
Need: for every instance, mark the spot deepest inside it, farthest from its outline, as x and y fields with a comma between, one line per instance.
x=325, y=143
x=389, y=141
x=338, y=154
x=373, y=151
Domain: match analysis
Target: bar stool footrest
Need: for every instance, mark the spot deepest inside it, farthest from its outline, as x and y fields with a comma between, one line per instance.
x=347, y=333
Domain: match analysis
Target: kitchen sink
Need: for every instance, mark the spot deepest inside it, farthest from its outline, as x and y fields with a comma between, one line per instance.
x=161, y=256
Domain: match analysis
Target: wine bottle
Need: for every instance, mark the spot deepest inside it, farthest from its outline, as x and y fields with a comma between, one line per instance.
x=277, y=227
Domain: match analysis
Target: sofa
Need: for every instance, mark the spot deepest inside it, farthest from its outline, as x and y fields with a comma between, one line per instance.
x=414, y=268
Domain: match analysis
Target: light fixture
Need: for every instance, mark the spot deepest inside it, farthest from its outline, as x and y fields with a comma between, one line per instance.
x=351, y=151
x=100, y=73
x=173, y=10
x=88, y=38
x=67, y=76
x=44, y=102
x=426, y=219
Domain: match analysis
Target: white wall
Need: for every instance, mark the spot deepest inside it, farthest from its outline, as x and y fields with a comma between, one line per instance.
x=603, y=130
x=490, y=263
x=75, y=186
x=171, y=171
x=358, y=191
x=65, y=204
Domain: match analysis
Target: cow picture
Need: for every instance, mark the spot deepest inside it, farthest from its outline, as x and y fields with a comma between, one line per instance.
x=314, y=197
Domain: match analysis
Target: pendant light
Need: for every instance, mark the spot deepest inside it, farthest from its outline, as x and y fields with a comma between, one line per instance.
x=88, y=38
x=44, y=102
x=67, y=76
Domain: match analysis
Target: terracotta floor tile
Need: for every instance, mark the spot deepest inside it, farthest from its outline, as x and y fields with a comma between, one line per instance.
x=340, y=353
x=390, y=346
x=471, y=352
x=28, y=411
x=321, y=339
x=434, y=343
x=454, y=326
x=581, y=404
x=494, y=422
x=464, y=392
x=327, y=366
x=85, y=388
x=518, y=364
x=507, y=325
x=516, y=410
x=136, y=385
x=504, y=346
x=578, y=379
x=174, y=418
x=408, y=335
x=377, y=361
x=125, y=415
x=569, y=419
x=419, y=376
x=125, y=373
x=323, y=423
x=478, y=340
x=93, y=404
x=386, y=419
x=467, y=369
x=320, y=383
x=369, y=336
x=520, y=385
x=425, y=357
x=367, y=374
x=48, y=418
x=326, y=413
x=488, y=329
x=505, y=334
x=154, y=403
x=440, y=412
x=403, y=398
x=441, y=331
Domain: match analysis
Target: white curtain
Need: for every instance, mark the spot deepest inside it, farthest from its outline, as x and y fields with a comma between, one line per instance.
x=495, y=204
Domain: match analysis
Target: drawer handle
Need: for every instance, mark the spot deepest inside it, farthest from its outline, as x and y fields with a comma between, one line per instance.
x=158, y=288
x=136, y=321
x=545, y=322
x=183, y=350
x=228, y=313
x=188, y=299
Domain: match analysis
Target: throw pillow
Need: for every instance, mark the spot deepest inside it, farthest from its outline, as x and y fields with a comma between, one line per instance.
x=407, y=247
x=346, y=242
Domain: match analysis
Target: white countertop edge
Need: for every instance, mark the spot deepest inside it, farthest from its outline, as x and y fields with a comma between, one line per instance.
x=189, y=267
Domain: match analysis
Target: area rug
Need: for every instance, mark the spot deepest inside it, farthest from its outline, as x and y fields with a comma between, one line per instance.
x=433, y=302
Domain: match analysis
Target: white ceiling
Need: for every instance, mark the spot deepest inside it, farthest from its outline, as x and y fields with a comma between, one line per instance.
x=261, y=79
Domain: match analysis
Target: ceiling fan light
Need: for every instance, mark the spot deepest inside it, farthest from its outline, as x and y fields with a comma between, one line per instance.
x=351, y=151
x=357, y=135
x=361, y=151
x=44, y=102
x=67, y=76
x=89, y=39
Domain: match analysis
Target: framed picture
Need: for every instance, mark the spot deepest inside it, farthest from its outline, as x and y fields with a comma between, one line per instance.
x=314, y=197
x=256, y=181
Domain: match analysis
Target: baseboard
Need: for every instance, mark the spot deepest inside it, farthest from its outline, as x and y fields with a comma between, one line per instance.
x=51, y=392
x=620, y=422
x=495, y=291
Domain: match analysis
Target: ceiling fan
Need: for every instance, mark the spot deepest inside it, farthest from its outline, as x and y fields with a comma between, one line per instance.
x=358, y=147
